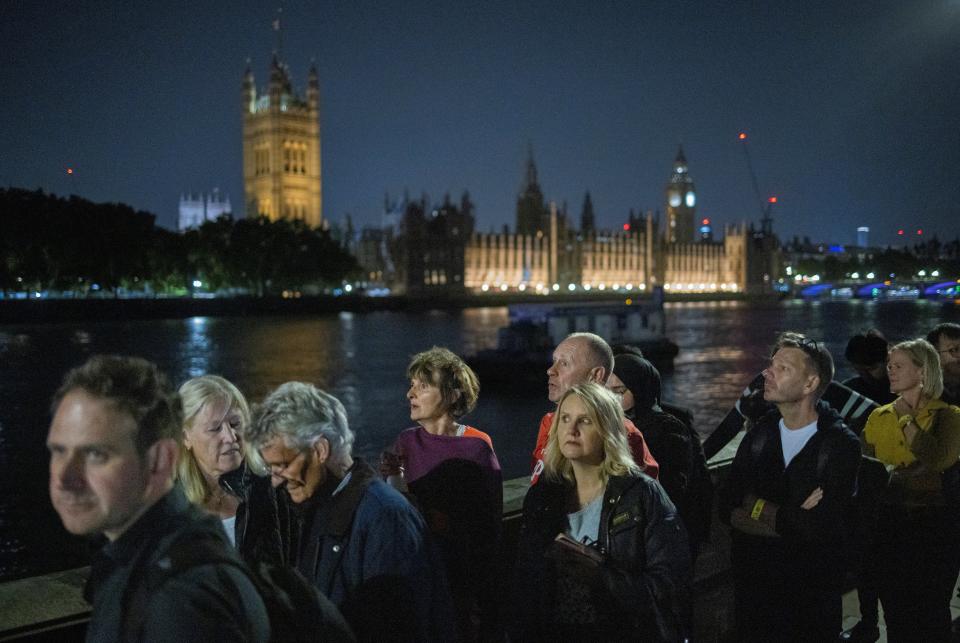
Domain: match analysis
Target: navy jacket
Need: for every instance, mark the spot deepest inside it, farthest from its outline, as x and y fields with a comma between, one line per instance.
x=366, y=548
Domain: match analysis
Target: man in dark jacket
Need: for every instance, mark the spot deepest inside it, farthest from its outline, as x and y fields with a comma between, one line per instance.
x=360, y=541
x=946, y=339
x=786, y=497
x=112, y=460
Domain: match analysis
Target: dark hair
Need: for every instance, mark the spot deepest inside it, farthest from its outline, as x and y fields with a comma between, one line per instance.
x=458, y=384
x=867, y=348
x=135, y=387
x=817, y=352
x=946, y=329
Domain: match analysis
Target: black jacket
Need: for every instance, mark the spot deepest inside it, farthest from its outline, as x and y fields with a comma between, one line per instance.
x=811, y=540
x=264, y=519
x=207, y=602
x=642, y=587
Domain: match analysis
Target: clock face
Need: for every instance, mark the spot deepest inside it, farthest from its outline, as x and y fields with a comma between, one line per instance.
x=691, y=199
x=674, y=198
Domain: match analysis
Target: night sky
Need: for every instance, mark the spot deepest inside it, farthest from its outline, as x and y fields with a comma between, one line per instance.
x=852, y=107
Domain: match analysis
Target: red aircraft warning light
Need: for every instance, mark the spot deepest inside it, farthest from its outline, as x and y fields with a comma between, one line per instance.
x=772, y=199
x=900, y=232
x=742, y=136
x=69, y=170
x=920, y=231
x=626, y=226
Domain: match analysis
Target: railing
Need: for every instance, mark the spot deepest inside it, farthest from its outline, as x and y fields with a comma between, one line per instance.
x=52, y=607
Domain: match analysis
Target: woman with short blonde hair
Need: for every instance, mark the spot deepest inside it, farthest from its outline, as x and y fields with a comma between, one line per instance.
x=916, y=559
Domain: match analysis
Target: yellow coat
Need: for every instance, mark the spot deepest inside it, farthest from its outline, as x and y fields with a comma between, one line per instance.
x=917, y=467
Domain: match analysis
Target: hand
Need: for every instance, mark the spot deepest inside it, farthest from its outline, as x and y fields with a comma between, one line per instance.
x=390, y=464
x=813, y=499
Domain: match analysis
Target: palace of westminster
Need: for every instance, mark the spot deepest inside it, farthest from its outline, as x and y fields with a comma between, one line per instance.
x=421, y=248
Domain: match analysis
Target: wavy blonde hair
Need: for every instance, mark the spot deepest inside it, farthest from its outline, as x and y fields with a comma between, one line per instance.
x=924, y=356
x=607, y=416
x=197, y=393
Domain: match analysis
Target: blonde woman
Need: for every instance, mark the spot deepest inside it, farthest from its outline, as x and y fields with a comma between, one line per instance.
x=602, y=553
x=220, y=473
x=918, y=437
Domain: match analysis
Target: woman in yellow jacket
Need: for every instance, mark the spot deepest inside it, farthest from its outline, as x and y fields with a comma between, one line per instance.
x=918, y=437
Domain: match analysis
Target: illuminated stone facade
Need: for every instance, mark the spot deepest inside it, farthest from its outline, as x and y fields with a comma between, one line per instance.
x=597, y=260
x=281, y=148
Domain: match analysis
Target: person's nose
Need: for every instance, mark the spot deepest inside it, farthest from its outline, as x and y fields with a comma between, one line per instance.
x=411, y=393
x=552, y=370
x=230, y=434
x=68, y=473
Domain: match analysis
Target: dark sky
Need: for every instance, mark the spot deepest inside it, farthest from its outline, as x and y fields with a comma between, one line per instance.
x=852, y=107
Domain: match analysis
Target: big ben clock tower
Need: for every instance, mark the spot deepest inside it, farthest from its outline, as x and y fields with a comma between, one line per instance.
x=681, y=202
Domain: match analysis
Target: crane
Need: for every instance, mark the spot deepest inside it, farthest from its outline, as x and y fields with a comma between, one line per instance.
x=766, y=205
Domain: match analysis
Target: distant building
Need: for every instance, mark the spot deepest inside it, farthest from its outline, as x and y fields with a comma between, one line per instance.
x=863, y=236
x=195, y=209
x=281, y=148
x=532, y=213
x=437, y=251
x=681, y=202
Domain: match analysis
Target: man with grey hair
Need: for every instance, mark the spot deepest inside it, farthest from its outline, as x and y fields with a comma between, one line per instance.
x=585, y=357
x=361, y=543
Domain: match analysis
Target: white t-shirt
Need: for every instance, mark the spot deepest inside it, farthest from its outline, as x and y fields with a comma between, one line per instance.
x=585, y=524
x=793, y=440
x=230, y=526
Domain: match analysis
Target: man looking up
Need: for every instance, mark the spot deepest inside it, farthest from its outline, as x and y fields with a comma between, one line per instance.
x=792, y=478
x=360, y=542
x=113, y=455
x=946, y=339
x=585, y=357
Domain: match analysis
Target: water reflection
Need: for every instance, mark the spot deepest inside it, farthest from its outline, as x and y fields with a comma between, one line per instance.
x=362, y=359
x=197, y=348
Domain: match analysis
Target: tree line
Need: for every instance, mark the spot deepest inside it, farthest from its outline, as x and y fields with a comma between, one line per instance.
x=77, y=247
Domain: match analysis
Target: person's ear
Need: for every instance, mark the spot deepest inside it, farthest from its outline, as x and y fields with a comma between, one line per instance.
x=599, y=375
x=321, y=449
x=162, y=458
x=812, y=383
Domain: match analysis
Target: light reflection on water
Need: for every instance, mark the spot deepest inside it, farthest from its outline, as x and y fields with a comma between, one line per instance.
x=362, y=359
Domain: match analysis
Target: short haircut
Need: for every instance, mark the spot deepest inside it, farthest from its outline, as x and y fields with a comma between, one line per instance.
x=607, y=416
x=133, y=386
x=946, y=329
x=196, y=393
x=300, y=414
x=819, y=357
x=598, y=352
x=867, y=349
x=458, y=384
x=924, y=356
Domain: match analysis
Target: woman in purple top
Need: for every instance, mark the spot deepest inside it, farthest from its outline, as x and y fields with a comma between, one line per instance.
x=450, y=471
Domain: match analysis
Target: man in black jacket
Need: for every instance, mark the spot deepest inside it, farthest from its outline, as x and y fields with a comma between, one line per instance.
x=112, y=460
x=786, y=497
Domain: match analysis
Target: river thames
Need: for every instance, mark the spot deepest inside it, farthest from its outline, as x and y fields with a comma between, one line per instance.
x=361, y=358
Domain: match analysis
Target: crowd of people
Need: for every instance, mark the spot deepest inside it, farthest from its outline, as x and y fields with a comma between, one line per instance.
x=230, y=521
